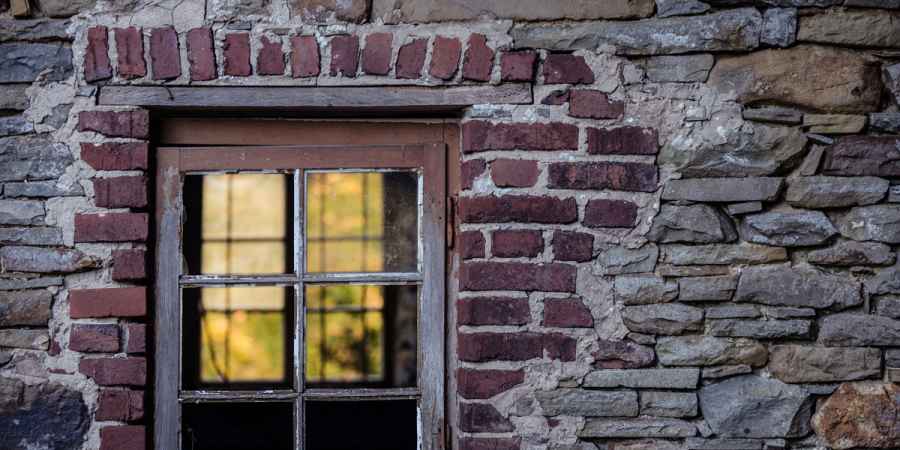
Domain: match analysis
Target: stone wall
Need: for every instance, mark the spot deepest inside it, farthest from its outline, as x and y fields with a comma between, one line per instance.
x=687, y=241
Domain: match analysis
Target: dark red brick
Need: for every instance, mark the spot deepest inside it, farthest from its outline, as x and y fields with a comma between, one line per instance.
x=481, y=136
x=517, y=243
x=482, y=418
x=108, y=302
x=471, y=244
x=130, y=47
x=566, y=313
x=411, y=59
x=94, y=338
x=493, y=311
x=573, y=246
x=270, y=60
x=116, y=156
x=557, y=97
x=622, y=141
x=479, y=59
x=514, y=173
x=445, y=55
x=376, y=57
x=518, y=65
x=566, y=69
x=136, y=340
x=121, y=192
x=112, y=227
x=96, y=56
x=123, y=437
x=591, y=104
x=622, y=355
x=344, y=55
x=237, y=54
x=635, y=177
x=483, y=384
x=164, y=55
x=610, y=213
x=120, y=405
x=201, y=54
x=516, y=276
x=130, y=371
x=469, y=171
x=129, y=265
x=131, y=124
x=559, y=346
x=517, y=208
x=485, y=347
x=478, y=443
x=304, y=57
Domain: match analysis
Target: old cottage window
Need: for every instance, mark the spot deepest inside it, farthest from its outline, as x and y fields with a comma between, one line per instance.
x=306, y=286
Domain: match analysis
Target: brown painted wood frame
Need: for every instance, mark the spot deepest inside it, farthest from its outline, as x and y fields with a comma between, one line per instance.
x=174, y=161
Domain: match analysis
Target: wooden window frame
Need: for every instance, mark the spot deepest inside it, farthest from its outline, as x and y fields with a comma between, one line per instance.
x=427, y=155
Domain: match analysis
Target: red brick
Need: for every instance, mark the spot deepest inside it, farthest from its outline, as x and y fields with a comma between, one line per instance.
x=478, y=443
x=112, y=227
x=304, y=57
x=120, y=192
x=622, y=141
x=573, y=246
x=517, y=208
x=131, y=124
x=108, y=302
x=482, y=418
x=493, y=311
x=96, y=56
x=514, y=173
x=136, y=340
x=130, y=47
x=270, y=60
x=516, y=276
x=344, y=55
x=516, y=243
x=445, y=54
x=94, y=338
x=237, y=54
x=485, y=347
x=479, y=59
x=518, y=65
x=610, y=213
x=201, y=54
x=116, y=156
x=481, y=136
x=129, y=265
x=469, y=171
x=411, y=59
x=164, y=54
x=557, y=97
x=566, y=69
x=559, y=346
x=635, y=177
x=483, y=384
x=376, y=57
x=120, y=405
x=123, y=437
x=591, y=104
x=130, y=371
x=471, y=244
x=566, y=313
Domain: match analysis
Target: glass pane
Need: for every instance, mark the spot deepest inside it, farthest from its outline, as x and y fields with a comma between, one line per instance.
x=237, y=337
x=238, y=223
x=376, y=425
x=361, y=335
x=237, y=426
x=361, y=221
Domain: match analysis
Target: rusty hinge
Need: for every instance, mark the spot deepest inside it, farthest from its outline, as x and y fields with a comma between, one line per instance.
x=451, y=221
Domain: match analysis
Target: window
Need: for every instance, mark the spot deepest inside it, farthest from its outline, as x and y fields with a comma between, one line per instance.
x=301, y=296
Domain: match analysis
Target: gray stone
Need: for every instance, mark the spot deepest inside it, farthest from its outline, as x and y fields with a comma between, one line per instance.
x=787, y=228
x=820, y=138
x=717, y=372
x=885, y=282
x=43, y=416
x=864, y=28
x=788, y=312
x=679, y=68
x=888, y=306
x=22, y=63
x=769, y=329
x=756, y=408
x=58, y=116
x=65, y=8
x=731, y=30
x=733, y=312
x=892, y=80
x=622, y=354
x=42, y=189
x=802, y=364
x=894, y=194
x=852, y=253
x=739, y=209
x=671, y=8
x=394, y=11
x=644, y=289
x=812, y=161
x=863, y=155
x=800, y=286
x=621, y=260
x=886, y=4
x=5, y=358
x=582, y=402
x=663, y=318
x=892, y=357
x=44, y=260
x=723, y=444
x=18, y=282
x=25, y=338
x=722, y=254
x=835, y=192
x=885, y=122
x=706, y=288
x=779, y=27
x=879, y=223
x=637, y=428
x=643, y=378
x=29, y=308
x=21, y=212
x=859, y=330
x=15, y=125
x=709, y=351
x=668, y=404
x=33, y=30
x=32, y=158
x=13, y=96
x=693, y=223
x=666, y=270
x=723, y=189
x=834, y=123
x=773, y=114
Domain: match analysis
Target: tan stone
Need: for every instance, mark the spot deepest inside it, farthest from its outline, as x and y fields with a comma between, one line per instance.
x=834, y=123
x=319, y=11
x=394, y=11
x=20, y=8
x=860, y=415
x=869, y=28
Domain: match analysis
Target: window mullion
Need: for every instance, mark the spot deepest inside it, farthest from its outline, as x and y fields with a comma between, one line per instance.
x=299, y=310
